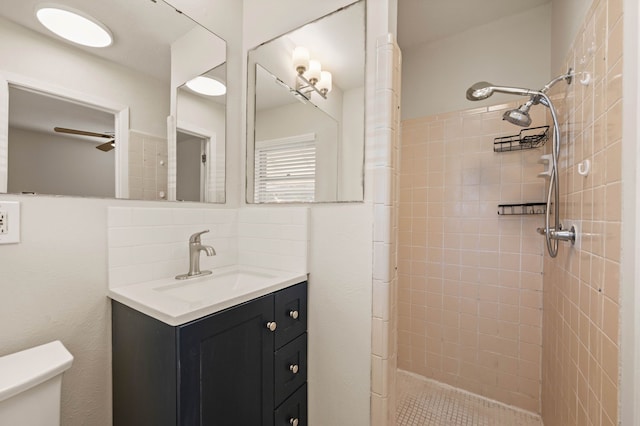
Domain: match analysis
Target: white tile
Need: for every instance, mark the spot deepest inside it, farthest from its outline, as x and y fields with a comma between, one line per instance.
x=384, y=68
x=119, y=217
x=381, y=270
x=188, y=216
x=381, y=300
x=382, y=223
x=379, y=407
x=376, y=374
x=151, y=217
x=384, y=109
x=119, y=256
x=382, y=185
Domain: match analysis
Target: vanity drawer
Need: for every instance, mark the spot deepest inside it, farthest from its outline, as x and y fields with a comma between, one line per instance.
x=290, y=368
x=293, y=412
x=290, y=313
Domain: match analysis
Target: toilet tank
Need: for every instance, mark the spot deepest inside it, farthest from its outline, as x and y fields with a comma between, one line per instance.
x=30, y=384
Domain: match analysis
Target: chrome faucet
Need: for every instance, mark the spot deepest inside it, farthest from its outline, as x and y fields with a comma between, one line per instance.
x=195, y=247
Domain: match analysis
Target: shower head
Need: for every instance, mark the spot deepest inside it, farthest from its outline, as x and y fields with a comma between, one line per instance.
x=520, y=116
x=479, y=91
x=482, y=90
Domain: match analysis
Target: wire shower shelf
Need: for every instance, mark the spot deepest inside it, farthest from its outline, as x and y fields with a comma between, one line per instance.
x=522, y=208
x=530, y=138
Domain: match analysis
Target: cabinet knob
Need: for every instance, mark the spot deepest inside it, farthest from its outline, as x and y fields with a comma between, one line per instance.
x=294, y=422
x=271, y=325
x=293, y=314
x=294, y=368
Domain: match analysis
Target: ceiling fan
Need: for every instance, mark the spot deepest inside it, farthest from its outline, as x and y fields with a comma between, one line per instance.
x=107, y=146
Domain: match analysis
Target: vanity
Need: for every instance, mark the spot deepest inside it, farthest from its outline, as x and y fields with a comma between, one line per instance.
x=228, y=349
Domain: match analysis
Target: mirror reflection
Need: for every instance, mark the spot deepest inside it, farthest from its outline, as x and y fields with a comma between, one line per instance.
x=305, y=121
x=121, y=99
x=200, y=148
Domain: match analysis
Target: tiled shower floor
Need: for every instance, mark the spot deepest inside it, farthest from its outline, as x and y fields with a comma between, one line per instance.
x=422, y=402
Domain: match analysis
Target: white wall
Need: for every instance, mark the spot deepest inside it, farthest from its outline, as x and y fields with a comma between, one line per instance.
x=511, y=51
x=53, y=286
x=566, y=18
x=60, y=64
x=52, y=164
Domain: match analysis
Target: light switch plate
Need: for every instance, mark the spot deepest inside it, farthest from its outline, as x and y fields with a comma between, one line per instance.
x=10, y=218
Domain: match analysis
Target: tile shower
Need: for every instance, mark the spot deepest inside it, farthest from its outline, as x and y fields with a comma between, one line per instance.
x=470, y=292
x=472, y=284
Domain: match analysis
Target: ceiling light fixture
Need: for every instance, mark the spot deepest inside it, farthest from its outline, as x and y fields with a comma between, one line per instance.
x=74, y=26
x=207, y=86
x=310, y=77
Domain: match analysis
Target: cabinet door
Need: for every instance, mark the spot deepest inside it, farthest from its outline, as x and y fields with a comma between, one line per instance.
x=291, y=313
x=226, y=367
x=290, y=368
x=293, y=412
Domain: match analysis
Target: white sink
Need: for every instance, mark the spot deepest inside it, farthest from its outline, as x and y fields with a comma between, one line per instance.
x=226, y=283
x=177, y=302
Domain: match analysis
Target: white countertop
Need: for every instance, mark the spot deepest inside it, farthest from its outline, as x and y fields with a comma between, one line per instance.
x=177, y=302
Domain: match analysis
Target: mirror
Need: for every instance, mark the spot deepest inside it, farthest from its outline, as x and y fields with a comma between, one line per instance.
x=200, y=147
x=122, y=99
x=306, y=144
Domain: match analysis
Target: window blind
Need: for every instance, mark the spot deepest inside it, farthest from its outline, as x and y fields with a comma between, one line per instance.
x=285, y=169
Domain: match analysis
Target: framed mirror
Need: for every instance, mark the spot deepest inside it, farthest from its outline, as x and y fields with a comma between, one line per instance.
x=305, y=112
x=59, y=101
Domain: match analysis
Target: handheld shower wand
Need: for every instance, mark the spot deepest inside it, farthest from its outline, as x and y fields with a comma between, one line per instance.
x=520, y=116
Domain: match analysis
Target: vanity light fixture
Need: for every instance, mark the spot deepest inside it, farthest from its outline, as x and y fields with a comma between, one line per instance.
x=207, y=86
x=310, y=77
x=74, y=26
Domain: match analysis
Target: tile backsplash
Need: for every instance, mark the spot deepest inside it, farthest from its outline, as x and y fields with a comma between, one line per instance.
x=152, y=243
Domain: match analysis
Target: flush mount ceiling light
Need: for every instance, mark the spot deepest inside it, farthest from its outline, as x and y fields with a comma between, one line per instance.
x=310, y=77
x=74, y=26
x=207, y=86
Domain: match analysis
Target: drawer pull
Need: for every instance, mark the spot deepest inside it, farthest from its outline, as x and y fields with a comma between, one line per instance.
x=293, y=314
x=271, y=325
x=294, y=422
x=294, y=368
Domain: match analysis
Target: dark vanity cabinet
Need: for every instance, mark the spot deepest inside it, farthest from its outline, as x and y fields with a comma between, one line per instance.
x=244, y=366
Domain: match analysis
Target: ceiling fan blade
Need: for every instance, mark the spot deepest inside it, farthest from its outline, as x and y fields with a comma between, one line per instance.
x=82, y=132
x=107, y=146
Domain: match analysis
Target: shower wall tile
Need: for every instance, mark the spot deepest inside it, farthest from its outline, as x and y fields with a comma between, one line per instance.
x=470, y=281
x=580, y=358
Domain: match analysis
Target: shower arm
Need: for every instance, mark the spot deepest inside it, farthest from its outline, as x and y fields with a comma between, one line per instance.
x=568, y=77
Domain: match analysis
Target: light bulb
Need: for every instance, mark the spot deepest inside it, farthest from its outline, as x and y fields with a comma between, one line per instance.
x=300, y=59
x=325, y=83
x=314, y=72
